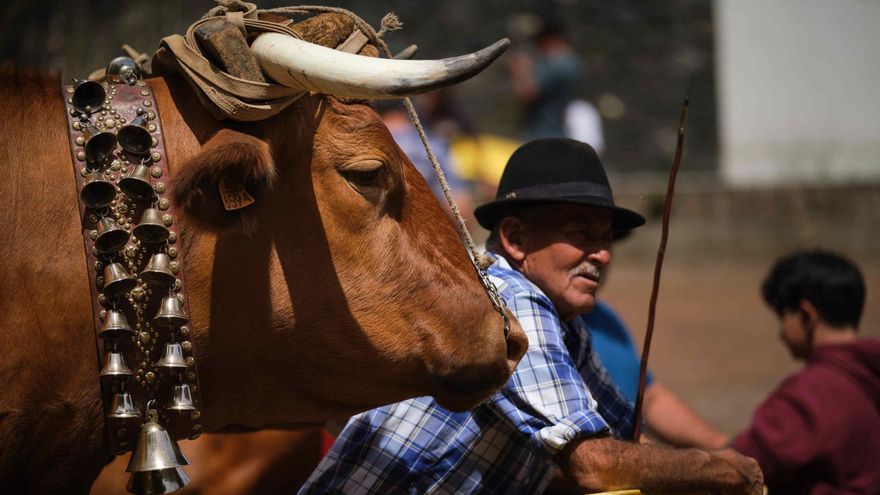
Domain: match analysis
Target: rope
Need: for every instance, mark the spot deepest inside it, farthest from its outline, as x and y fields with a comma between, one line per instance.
x=389, y=23
x=658, y=267
x=225, y=6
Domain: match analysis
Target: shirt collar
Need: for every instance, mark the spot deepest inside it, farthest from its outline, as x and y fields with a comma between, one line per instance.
x=499, y=261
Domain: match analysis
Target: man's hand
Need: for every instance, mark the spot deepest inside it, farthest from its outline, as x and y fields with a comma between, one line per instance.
x=751, y=477
x=603, y=463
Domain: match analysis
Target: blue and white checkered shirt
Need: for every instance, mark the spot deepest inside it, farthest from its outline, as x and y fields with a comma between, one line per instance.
x=559, y=392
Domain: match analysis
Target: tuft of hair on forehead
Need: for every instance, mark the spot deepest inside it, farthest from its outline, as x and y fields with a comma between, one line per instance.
x=230, y=156
x=330, y=29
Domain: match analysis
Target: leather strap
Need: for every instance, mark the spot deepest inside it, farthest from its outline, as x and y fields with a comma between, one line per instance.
x=145, y=348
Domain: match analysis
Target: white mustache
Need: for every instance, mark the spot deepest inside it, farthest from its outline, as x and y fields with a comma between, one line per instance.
x=588, y=269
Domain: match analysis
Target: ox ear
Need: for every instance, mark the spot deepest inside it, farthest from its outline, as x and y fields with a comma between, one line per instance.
x=238, y=164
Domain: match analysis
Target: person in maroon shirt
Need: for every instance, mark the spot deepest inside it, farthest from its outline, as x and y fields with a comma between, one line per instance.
x=819, y=432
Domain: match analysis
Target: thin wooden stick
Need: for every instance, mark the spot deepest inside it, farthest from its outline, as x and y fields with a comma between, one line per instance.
x=667, y=208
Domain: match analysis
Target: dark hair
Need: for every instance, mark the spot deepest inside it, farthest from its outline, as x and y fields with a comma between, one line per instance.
x=524, y=212
x=833, y=284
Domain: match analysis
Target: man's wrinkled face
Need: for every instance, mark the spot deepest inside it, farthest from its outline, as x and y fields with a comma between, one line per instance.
x=566, y=252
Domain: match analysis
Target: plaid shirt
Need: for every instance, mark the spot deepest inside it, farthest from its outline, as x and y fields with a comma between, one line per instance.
x=559, y=392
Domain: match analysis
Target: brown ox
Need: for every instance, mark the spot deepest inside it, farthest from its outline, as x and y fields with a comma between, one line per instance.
x=347, y=290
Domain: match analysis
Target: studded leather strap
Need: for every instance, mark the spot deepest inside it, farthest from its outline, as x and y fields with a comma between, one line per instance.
x=143, y=348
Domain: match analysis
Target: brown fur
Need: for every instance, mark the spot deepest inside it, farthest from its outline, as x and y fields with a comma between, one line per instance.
x=334, y=304
x=241, y=159
x=328, y=29
x=51, y=426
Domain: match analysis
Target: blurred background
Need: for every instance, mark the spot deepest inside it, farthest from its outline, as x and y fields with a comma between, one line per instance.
x=781, y=150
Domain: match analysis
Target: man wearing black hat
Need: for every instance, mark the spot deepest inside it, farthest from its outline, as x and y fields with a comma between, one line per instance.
x=552, y=223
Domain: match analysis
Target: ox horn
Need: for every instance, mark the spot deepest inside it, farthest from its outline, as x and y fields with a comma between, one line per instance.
x=299, y=64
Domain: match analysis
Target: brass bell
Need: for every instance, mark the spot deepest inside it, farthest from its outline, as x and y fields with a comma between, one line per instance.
x=181, y=398
x=134, y=137
x=155, y=449
x=100, y=144
x=170, y=313
x=123, y=406
x=155, y=482
x=114, y=365
x=137, y=184
x=158, y=271
x=115, y=325
x=123, y=70
x=88, y=96
x=151, y=227
x=97, y=192
x=111, y=237
x=117, y=281
x=172, y=358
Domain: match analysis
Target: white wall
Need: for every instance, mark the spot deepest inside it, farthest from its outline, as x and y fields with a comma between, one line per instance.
x=798, y=86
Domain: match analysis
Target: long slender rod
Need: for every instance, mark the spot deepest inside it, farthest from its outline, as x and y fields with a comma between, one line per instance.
x=658, y=267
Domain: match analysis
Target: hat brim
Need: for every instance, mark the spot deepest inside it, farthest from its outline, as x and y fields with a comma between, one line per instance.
x=621, y=218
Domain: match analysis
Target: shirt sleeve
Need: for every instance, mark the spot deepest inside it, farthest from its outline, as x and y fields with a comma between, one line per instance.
x=546, y=398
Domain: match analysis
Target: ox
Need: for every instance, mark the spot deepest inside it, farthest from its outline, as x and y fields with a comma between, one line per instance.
x=343, y=288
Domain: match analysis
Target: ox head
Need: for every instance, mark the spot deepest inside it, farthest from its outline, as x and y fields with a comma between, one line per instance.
x=344, y=286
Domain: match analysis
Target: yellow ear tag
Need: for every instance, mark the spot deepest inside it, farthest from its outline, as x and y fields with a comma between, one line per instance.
x=234, y=195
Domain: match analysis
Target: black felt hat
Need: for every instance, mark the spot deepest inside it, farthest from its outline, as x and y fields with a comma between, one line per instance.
x=555, y=170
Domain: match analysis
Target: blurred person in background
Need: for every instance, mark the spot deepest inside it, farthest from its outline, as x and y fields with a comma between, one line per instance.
x=583, y=122
x=477, y=157
x=443, y=115
x=545, y=82
x=819, y=431
x=396, y=118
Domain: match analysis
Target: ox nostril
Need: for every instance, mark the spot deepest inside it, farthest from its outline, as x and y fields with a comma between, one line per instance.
x=516, y=339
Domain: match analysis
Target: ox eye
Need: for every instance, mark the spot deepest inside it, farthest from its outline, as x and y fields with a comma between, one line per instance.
x=364, y=176
x=370, y=178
